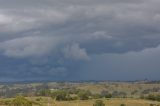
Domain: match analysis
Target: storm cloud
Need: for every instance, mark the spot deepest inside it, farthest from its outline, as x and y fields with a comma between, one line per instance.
x=62, y=39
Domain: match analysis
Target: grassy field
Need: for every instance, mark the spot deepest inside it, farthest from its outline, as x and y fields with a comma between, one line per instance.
x=108, y=102
x=120, y=86
x=135, y=89
x=112, y=102
x=46, y=101
x=133, y=92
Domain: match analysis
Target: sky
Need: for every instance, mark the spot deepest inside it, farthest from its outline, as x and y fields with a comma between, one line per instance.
x=79, y=40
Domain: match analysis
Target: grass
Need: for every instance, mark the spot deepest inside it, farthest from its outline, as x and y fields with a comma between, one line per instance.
x=94, y=88
x=111, y=102
x=121, y=87
x=45, y=101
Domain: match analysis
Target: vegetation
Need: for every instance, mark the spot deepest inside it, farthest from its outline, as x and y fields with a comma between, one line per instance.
x=82, y=94
x=98, y=103
x=154, y=97
x=106, y=94
x=21, y=101
x=122, y=105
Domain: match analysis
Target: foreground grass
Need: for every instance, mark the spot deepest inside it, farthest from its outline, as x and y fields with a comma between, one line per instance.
x=111, y=102
x=45, y=101
x=108, y=102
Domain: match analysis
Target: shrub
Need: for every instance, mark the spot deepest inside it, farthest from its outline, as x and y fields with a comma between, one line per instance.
x=38, y=99
x=96, y=96
x=21, y=101
x=119, y=94
x=44, y=92
x=60, y=95
x=83, y=95
x=106, y=94
x=98, y=103
x=122, y=105
x=153, y=97
x=151, y=105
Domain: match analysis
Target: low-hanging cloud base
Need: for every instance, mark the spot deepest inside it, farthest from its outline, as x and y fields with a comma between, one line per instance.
x=79, y=40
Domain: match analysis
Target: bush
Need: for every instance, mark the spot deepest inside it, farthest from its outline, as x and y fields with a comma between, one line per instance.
x=61, y=95
x=38, y=99
x=96, y=96
x=153, y=97
x=99, y=103
x=44, y=92
x=122, y=105
x=151, y=105
x=106, y=94
x=119, y=94
x=21, y=101
x=83, y=95
x=7, y=102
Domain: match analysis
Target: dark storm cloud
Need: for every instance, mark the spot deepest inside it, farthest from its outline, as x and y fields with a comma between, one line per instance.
x=60, y=33
x=130, y=66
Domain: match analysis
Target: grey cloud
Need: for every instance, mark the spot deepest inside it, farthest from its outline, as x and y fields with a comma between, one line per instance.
x=130, y=66
x=75, y=52
x=58, y=32
x=49, y=71
x=29, y=46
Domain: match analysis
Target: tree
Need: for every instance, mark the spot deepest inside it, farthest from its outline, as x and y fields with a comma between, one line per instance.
x=96, y=96
x=83, y=95
x=106, y=94
x=61, y=95
x=44, y=92
x=21, y=101
x=98, y=103
x=153, y=97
